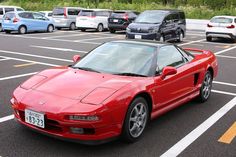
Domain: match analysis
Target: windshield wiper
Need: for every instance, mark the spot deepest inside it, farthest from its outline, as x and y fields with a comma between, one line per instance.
x=130, y=74
x=87, y=69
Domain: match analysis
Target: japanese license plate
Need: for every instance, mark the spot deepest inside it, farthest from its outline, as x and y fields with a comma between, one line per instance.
x=138, y=36
x=34, y=118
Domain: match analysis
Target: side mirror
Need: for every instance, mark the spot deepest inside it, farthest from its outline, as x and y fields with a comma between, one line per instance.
x=76, y=58
x=168, y=71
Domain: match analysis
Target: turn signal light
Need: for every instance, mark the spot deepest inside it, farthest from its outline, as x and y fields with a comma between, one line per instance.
x=83, y=118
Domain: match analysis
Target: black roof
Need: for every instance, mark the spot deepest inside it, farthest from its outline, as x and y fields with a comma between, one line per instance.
x=166, y=10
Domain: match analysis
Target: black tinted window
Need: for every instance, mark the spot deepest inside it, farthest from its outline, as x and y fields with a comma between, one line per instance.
x=49, y=14
x=87, y=13
x=58, y=11
x=8, y=9
x=73, y=11
x=26, y=15
x=150, y=17
x=175, y=17
x=118, y=14
x=182, y=15
x=102, y=13
x=169, y=56
x=1, y=11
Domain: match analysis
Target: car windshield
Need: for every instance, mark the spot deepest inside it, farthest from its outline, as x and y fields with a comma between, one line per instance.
x=221, y=20
x=150, y=17
x=120, y=59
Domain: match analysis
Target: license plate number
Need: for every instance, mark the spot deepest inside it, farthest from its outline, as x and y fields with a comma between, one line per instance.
x=138, y=36
x=115, y=20
x=34, y=118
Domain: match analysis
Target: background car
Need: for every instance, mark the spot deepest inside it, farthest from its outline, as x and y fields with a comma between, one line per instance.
x=221, y=27
x=5, y=9
x=92, y=102
x=26, y=21
x=93, y=19
x=65, y=17
x=162, y=25
x=47, y=14
x=120, y=19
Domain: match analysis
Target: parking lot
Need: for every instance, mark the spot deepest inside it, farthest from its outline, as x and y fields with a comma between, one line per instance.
x=193, y=129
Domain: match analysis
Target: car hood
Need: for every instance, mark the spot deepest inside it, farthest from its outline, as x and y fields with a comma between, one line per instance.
x=144, y=26
x=75, y=84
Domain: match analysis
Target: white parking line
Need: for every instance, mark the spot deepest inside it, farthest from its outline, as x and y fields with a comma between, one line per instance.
x=6, y=118
x=191, y=42
x=224, y=56
x=82, y=40
x=196, y=133
x=223, y=92
x=56, y=48
x=30, y=61
x=225, y=50
x=224, y=83
x=17, y=76
x=64, y=36
x=37, y=56
x=4, y=59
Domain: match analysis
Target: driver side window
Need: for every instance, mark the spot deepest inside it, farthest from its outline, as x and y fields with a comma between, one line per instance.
x=38, y=16
x=169, y=56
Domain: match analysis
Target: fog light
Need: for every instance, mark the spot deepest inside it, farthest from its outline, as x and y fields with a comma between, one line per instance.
x=83, y=118
x=77, y=130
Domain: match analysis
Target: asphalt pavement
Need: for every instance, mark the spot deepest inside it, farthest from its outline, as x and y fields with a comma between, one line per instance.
x=194, y=129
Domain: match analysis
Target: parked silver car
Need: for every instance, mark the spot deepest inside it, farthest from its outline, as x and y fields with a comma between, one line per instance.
x=5, y=9
x=65, y=17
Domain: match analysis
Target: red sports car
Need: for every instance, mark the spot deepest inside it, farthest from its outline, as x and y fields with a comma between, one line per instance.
x=114, y=90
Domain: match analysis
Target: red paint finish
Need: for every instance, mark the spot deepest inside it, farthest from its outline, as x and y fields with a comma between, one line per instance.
x=65, y=91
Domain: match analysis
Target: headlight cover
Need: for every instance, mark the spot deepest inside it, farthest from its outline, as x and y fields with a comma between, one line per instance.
x=98, y=95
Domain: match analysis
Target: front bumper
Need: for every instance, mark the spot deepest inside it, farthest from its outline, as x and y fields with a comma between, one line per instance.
x=220, y=35
x=99, y=131
x=150, y=36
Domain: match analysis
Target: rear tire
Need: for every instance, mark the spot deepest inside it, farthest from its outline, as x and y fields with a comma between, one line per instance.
x=205, y=90
x=50, y=28
x=1, y=28
x=72, y=26
x=83, y=30
x=7, y=31
x=112, y=30
x=100, y=28
x=22, y=30
x=136, y=120
x=208, y=38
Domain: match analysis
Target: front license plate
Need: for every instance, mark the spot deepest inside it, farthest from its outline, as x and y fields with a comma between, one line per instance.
x=138, y=36
x=34, y=118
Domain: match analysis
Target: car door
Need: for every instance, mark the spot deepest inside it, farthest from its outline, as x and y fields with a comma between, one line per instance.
x=102, y=17
x=167, y=27
x=173, y=87
x=40, y=21
x=28, y=20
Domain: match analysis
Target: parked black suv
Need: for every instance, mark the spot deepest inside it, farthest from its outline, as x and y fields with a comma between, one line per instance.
x=162, y=25
x=120, y=19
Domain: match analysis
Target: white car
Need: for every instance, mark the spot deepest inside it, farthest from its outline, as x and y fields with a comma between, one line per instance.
x=221, y=27
x=93, y=19
x=5, y=9
x=47, y=14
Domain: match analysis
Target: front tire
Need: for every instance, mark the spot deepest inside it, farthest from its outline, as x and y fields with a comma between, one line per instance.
x=22, y=30
x=50, y=28
x=72, y=26
x=136, y=120
x=205, y=90
x=180, y=36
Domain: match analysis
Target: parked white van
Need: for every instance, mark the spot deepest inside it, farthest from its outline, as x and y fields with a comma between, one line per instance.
x=5, y=9
x=93, y=19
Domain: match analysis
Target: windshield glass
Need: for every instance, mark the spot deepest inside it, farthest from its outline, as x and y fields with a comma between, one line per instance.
x=150, y=17
x=221, y=20
x=119, y=58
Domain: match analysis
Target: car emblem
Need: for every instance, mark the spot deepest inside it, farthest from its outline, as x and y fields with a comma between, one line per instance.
x=42, y=102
